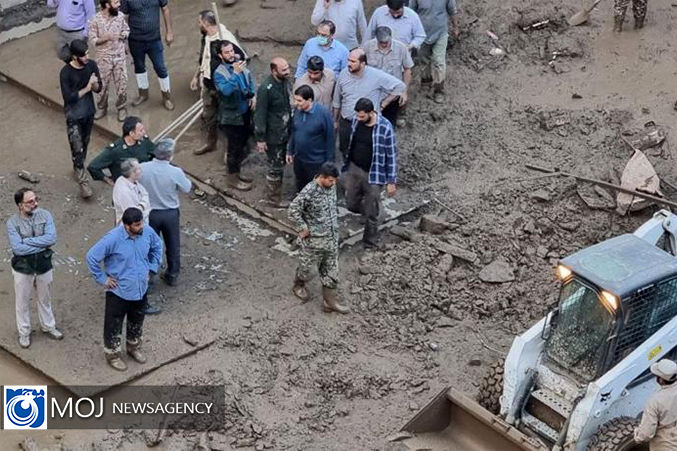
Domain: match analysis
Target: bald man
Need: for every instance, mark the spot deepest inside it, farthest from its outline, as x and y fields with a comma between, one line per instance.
x=272, y=121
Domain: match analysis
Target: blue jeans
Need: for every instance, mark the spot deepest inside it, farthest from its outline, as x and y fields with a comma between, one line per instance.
x=154, y=50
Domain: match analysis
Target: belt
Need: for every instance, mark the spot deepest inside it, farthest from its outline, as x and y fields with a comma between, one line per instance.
x=72, y=31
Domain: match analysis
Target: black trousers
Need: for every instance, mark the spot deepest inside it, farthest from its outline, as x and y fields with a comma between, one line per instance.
x=79, y=132
x=236, y=137
x=392, y=111
x=117, y=309
x=304, y=172
x=166, y=224
x=345, y=129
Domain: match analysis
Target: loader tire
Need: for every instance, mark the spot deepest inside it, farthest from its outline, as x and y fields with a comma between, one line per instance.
x=491, y=388
x=616, y=435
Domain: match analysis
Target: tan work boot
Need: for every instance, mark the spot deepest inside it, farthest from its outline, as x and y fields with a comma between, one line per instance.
x=210, y=145
x=330, y=301
x=233, y=181
x=300, y=291
x=167, y=100
x=101, y=112
x=83, y=182
x=134, y=351
x=275, y=194
x=143, y=96
x=115, y=361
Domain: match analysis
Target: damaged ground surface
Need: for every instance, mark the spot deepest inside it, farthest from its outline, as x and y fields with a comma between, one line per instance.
x=435, y=306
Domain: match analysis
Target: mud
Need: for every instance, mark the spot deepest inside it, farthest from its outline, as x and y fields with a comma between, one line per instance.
x=424, y=318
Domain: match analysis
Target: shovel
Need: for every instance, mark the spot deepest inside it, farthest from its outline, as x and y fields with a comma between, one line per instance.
x=583, y=15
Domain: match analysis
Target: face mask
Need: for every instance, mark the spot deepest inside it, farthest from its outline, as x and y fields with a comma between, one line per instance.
x=323, y=40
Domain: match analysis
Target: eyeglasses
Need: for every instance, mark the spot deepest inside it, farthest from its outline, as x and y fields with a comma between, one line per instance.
x=32, y=201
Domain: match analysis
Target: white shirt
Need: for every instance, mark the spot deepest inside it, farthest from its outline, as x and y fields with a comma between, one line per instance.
x=126, y=195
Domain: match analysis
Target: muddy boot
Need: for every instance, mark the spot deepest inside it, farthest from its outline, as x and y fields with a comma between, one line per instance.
x=233, y=181
x=210, y=145
x=228, y=3
x=244, y=178
x=426, y=82
x=639, y=23
x=330, y=301
x=100, y=113
x=83, y=182
x=275, y=194
x=115, y=360
x=134, y=351
x=618, y=23
x=438, y=93
x=167, y=100
x=300, y=291
x=143, y=96
x=122, y=114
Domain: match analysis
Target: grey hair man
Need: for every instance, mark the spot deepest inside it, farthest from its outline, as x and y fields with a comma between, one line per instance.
x=164, y=182
x=128, y=192
x=31, y=234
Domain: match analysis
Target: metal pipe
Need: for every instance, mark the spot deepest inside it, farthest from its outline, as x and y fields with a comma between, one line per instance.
x=179, y=120
x=192, y=121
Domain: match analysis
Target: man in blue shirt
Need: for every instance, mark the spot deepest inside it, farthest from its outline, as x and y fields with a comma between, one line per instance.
x=129, y=253
x=333, y=53
x=31, y=235
x=312, y=137
x=163, y=182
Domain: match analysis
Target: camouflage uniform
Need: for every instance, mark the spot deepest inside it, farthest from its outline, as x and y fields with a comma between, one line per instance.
x=315, y=209
x=110, y=56
x=638, y=8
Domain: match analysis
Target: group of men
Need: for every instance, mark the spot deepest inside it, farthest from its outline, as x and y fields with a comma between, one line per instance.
x=350, y=96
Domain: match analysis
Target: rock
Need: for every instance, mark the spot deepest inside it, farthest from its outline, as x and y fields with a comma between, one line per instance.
x=542, y=251
x=401, y=435
x=405, y=233
x=455, y=251
x=433, y=346
x=498, y=271
x=413, y=406
x=433, y=224
x=475, y=362
x=365, y=269
x=445, y=321
x=569, y=226
x=193, y=341
x=541, y=195
x=28, y=444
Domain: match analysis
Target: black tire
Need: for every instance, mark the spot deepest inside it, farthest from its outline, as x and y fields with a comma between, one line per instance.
x=616, y=435
x=491, y=388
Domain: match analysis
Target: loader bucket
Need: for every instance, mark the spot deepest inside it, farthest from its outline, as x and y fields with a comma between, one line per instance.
x=452, y=421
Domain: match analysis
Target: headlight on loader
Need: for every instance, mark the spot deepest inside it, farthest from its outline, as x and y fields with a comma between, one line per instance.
x=609, y=300
x=563, y=272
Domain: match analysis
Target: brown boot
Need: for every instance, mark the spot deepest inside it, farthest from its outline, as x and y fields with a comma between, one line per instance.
x=134, y=351
x=143, y=96
x=167, y=100
x=438, y=93
x=330, y=301
x=233, y=181
x=115, y=360
x=275, y=194
x=210, y=145
x=300, y=291
x=101, y=112
x=618, y=23
x=83, y=182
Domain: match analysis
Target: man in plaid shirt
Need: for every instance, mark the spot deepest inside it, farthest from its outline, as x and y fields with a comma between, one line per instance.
x=371, y=163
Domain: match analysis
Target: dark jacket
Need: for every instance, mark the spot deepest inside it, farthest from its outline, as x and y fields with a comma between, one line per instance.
x=272, y=118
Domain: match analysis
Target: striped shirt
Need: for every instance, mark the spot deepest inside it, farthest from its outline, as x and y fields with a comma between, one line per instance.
x=384, y=159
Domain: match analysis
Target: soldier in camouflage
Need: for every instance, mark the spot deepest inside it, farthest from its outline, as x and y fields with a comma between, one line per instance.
x=315, y=214
x=108, y=31
x=638, y=10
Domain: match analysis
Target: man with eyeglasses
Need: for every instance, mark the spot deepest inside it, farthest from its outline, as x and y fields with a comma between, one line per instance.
x=333, y=53
x=31, y=234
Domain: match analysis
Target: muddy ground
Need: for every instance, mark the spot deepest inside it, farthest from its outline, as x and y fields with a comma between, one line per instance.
x=299, y=379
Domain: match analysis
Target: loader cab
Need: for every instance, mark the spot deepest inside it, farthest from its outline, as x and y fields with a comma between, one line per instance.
x=614, y=296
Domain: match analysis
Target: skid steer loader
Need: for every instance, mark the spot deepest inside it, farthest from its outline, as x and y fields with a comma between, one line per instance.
x=578, y=379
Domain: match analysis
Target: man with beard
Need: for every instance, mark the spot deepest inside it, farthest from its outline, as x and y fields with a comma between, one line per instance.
x=272, y=121
x=31, y=236
x=355, y=82
x=130, y=253
x=78, y=79
x=371, y=164
x=108, y=31
x=202, y=79
x=237, y=98
x=333, y=53
x=320, y=79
